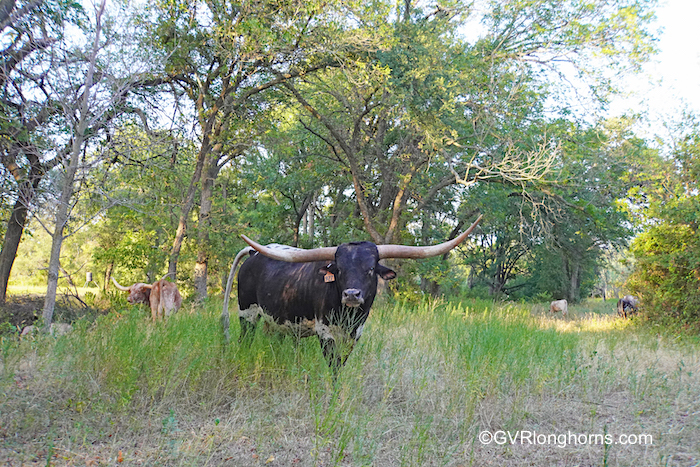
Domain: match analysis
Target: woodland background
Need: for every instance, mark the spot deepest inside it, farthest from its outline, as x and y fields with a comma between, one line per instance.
x=141, y=138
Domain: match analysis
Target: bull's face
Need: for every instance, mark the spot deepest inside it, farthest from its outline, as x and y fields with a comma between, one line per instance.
x=139, y=293
x=355, y=270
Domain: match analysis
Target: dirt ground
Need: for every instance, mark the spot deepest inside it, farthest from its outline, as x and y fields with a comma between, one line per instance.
x=20, y=311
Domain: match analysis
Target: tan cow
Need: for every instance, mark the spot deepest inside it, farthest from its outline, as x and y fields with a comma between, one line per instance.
x=162, y=296
x=559, y=305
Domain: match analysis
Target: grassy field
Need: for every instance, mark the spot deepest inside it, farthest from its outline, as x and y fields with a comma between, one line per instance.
x=441, y=383
x=41, y=289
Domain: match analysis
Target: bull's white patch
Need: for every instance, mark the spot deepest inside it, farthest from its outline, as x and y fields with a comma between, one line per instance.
x=279, y=246
x=323, y=331
x=342, y=341
x=251, y=314
x=303, y=328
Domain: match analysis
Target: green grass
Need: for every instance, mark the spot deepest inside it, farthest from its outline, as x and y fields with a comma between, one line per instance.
x=421, y=385
x=41, y=290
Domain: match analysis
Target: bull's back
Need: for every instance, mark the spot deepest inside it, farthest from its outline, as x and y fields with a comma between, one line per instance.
x=285, y=291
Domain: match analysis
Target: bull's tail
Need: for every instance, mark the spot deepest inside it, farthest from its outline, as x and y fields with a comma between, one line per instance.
x=225, y=316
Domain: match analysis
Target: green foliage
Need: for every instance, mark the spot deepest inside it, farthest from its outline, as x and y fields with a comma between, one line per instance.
x=552, y=238
x=667, y=273
x=136, y=362
x=532, y=353
x=145, y=181
x=7, y=329
x=667, y=253
x=32, y=259
x=594, y=37
x=381, y=121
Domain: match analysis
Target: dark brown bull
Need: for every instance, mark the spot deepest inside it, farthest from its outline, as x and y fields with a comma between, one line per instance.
x=326, y=292
x=162, y=296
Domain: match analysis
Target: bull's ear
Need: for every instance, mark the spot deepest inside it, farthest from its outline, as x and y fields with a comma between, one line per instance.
x=385, y=272
x=330, y=267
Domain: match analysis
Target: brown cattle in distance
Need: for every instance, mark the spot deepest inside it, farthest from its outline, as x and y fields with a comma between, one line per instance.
x=162, y=296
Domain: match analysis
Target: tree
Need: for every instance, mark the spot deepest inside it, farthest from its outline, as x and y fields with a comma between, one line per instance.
x=222, y=56
x=506, y=237
x=666, y=276
x=30, y=31
x=144, y=173
x=426, y=111
x=91, y=85
x=599, y=166
x=550, y=239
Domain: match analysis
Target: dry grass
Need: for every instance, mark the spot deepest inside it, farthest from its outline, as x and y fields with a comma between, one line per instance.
x=419, y=389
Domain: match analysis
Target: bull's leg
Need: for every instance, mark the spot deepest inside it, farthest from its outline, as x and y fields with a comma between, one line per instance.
x=249, y=318
x=247, y=331
x=336, y=344
x=334, y=357
x=154, y=311
x=154, y=299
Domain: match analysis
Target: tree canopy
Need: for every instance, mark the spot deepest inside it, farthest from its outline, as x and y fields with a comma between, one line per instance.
x=314, y=123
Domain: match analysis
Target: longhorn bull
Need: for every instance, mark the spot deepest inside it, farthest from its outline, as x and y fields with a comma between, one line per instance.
x=327, y=292
x=162, y=296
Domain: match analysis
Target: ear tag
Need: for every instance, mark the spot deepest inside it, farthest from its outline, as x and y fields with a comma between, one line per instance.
x=329, y=277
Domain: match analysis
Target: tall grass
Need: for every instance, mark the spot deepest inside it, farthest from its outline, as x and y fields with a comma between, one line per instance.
x=420, y=386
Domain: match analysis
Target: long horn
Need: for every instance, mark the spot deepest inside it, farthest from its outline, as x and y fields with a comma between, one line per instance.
x=418, y=252
x=120, y=287
x=294, y=255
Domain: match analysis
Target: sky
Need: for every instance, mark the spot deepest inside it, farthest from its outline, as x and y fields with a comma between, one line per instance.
x=670, y=82
x=672, y=79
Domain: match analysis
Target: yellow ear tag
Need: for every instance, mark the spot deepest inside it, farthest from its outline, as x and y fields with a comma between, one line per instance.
x=329, y=277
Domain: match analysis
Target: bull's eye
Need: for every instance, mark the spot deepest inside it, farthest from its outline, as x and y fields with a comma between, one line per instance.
x=370, y=272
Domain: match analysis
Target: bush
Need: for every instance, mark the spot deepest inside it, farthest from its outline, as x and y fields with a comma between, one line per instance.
x=667, y=275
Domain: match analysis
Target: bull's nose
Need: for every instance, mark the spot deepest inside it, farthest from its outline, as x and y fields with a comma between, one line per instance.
x=352, y=297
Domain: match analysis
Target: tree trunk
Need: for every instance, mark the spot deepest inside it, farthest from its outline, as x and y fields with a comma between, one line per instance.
x=187, y=205
x=63, y=211
x=574, y=283
x=13, y=235
x=52, y=285
x=305, y=223
x=62, y=215
x=18, y=217
x=204, y=225
x=311, y=222
x=108, y=275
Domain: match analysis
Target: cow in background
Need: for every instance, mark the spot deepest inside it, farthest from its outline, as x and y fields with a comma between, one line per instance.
x=163, y=297
x=627, y=306
x=559, y=305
